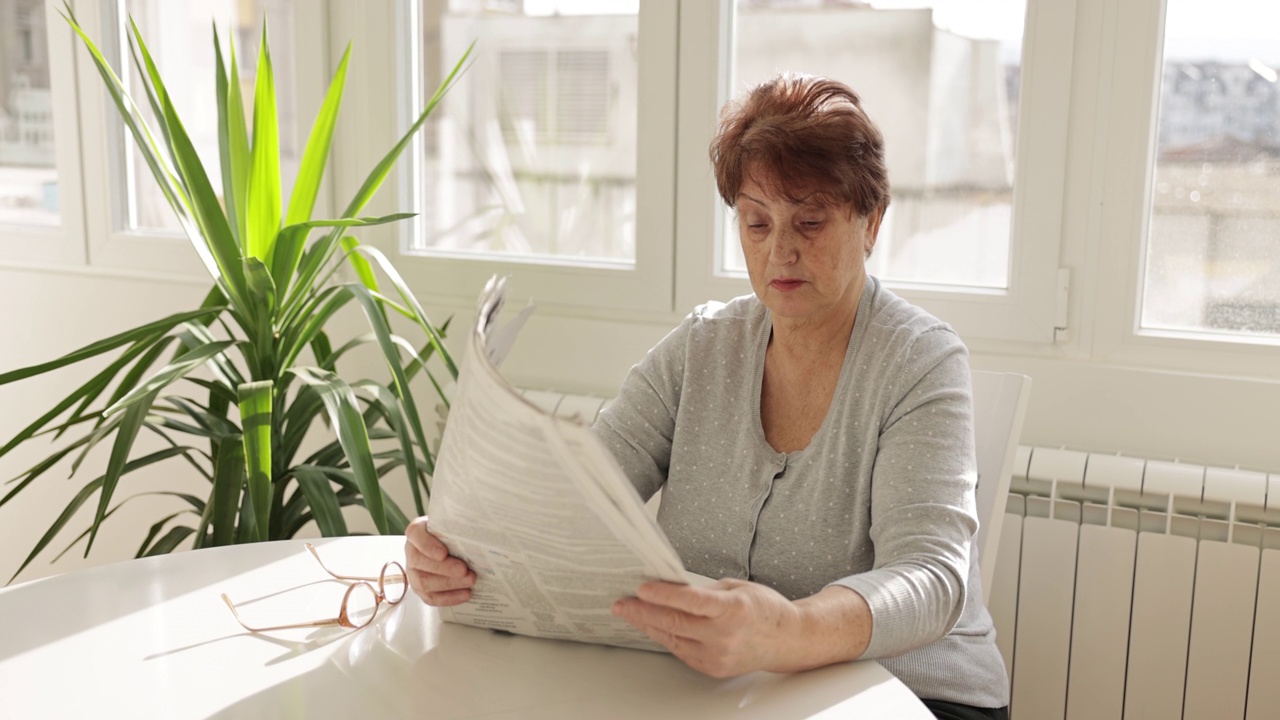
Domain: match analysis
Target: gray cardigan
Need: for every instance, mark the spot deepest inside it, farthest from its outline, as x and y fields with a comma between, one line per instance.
x=881, y=501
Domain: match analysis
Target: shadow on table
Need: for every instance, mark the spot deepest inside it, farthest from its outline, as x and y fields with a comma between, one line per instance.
x=410, y=664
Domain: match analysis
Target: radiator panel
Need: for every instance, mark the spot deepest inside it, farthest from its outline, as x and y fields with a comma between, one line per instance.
x=1221, y=632
x=1158, y=635
x=1043, y=636
x=1264, y=671
x=1100, y=630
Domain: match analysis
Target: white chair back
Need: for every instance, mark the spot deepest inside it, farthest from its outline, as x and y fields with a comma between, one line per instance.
x=999, y=407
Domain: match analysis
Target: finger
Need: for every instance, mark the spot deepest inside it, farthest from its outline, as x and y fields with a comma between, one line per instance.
x=705, y=602
x=431, y=582
x=647, y=616
x=450, y=566
x=427, y=543
x=449, y=598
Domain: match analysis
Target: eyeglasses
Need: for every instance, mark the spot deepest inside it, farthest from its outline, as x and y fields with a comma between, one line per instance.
x=359, y=604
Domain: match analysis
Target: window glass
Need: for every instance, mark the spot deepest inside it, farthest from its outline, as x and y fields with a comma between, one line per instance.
x=1213, y=247
x=941, y=79
x=28, y=178
x=532, y=156
x=180, y=37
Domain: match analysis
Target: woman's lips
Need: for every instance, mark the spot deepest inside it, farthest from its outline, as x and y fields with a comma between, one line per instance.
x=786, y=284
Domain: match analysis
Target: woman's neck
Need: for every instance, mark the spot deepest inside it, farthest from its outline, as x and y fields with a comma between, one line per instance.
x=819, y=335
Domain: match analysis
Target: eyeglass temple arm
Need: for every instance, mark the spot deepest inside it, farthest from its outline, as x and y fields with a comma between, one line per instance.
x=312, y=549
x=314, y=623
x=315, y=554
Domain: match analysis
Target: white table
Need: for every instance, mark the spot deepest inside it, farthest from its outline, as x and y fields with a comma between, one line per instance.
x=151, y=638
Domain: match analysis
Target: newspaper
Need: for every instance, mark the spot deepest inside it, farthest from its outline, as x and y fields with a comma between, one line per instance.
x=538, y=507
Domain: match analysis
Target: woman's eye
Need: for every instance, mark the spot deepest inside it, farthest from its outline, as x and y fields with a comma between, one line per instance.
x=811, y=224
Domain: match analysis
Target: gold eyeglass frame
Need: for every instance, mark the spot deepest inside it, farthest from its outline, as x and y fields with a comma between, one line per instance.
x=344, y=618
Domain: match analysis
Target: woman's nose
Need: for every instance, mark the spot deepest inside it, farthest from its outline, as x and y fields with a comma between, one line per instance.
x=783, y=248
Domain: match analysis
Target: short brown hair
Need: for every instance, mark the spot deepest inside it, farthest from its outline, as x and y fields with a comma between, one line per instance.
x=808, y=139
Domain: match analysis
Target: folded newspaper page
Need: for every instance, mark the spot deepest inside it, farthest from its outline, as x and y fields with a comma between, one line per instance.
x=538, y=507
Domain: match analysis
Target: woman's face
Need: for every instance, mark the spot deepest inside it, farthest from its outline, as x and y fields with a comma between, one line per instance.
x=806, y=262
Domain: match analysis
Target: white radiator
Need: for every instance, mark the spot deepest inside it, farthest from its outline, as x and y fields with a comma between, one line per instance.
x=1130, y=588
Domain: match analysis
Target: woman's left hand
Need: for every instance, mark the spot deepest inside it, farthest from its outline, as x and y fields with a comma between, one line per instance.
x=726, y=629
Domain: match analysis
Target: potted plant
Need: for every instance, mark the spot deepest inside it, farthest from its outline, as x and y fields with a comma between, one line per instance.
x=232, y=387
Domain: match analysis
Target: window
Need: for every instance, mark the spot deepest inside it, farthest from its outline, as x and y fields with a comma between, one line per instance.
x=129, y=226
x=964, y=109
x=180, y=38
x=534, y=156
x=941, y=80
x=1212, y=261
x=28, y=161
x=542, y=162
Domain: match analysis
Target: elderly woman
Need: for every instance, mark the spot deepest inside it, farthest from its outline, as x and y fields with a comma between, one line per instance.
x=813, y=440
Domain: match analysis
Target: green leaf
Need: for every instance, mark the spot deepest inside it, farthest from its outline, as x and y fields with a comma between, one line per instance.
x=228, y=477
x=315, y=315
x=340, y=401
x=233, y=143
x=322, y=350
x=214, y=230
x=260, y=353
x=130, y=423
x=316, y=154
x=170, y=540
x=184, y=364
x=140, y=368
x=39, y=469
x=323, y=501
x=362, y=268
x=289, y=252
x=155, y=530
x=86, y=394
x=213, y=425
x=264, y=172
x=255, y=418
x=247, y=526
x=392, y=411
x=401, y=384
x=238, y=137
x=418, y=314
x=150, y=80
x=152, y=330
x=225, y=373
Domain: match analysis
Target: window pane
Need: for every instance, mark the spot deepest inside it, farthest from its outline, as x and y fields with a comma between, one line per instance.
x=1213, y=250
x=533, y=155
x=940, y=78
x=180, y=37
x=28, y=178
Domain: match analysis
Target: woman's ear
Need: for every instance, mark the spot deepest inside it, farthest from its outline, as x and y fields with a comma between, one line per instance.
x=872, y=230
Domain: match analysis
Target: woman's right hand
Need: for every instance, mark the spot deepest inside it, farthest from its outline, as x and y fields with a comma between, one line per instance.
x=438, y=578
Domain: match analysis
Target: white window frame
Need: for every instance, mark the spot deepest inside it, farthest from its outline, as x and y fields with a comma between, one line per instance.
x=1025, y=312
x=110, y=244
x=59, y=244
x=582, y=288
x=1128, y=166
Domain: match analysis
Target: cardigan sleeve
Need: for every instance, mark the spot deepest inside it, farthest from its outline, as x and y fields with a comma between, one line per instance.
x=639, y=424
x=923, y=513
